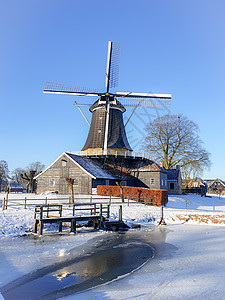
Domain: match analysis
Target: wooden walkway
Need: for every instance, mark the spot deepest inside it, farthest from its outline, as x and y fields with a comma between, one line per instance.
x=43, y=215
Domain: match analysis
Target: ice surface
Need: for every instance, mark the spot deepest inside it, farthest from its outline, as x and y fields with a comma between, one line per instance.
x=189, y=262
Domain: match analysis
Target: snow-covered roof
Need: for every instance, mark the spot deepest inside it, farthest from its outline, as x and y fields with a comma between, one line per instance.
x=15, y=186
x=92, y=167
x=153, y=167
x=217, y=180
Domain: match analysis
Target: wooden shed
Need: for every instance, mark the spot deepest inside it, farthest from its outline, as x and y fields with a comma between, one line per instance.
x=85, y=172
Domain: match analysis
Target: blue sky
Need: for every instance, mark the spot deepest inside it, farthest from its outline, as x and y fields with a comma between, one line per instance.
x=171, y=46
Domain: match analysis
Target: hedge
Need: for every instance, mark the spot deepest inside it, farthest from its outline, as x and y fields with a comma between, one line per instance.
x=150, y=197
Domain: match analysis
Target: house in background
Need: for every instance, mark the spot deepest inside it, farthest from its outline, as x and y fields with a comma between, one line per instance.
x=216, y=186
x=152, y=176
x=17, y=188
x=174, y=181
x=195, y=186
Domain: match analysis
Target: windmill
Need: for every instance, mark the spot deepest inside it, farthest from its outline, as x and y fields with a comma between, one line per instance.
x=107, y=133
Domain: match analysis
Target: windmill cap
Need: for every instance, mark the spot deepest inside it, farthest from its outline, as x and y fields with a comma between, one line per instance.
x=101, y=102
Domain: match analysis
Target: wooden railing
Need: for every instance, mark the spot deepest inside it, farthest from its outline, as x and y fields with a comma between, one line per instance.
x=100, y=152
x=31, y=202
x=43, y=215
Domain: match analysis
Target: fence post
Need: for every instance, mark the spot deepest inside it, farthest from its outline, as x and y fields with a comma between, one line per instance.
x=110, y=199
x=47, y=211
x=185, y=204
x=91, y=200
x=161, y=222
x=46, y=201
x=120, y=213
x=35, y=220
x=101, y=219
x=25, y=203
x=108, y=211
x=128, y=201
x=213, y=205
x=100, y=210
x=41, y=221
x=145, y=201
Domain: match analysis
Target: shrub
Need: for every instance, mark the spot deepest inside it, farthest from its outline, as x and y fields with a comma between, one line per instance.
x=150, y=197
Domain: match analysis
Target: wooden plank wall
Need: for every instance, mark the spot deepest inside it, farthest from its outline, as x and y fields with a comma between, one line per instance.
x=54, y=179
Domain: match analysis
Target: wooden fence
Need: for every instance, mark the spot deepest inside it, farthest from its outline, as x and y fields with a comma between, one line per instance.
x=26, y=202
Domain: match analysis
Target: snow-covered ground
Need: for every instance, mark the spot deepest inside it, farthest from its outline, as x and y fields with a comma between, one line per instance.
x=189, y=261
x=17, y=221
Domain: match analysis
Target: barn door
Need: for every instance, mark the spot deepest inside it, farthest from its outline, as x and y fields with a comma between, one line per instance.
x=63, y=188
x=84, y=185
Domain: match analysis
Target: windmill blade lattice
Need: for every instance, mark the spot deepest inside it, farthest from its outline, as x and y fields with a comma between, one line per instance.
x=115, y=63
x=56, y=88
x=144, y=102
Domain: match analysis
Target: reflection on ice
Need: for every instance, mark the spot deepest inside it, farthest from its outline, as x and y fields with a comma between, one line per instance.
x=110, y=257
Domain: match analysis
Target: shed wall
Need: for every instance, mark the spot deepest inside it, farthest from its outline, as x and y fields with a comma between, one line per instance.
x=54, y=179
x=152, y=179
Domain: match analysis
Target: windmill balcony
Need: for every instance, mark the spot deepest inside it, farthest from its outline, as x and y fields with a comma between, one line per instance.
x=111, y=152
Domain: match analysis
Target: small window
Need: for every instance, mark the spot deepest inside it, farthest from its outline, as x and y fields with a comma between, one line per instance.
x=52, y=182
x=64, y=162
x=152, y=181
x=172, y=185
x=75, y=182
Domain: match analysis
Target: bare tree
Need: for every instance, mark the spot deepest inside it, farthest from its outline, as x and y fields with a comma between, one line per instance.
x=174, y=140
x=26, y=176
x=15, y=176
x=35, y=166
x=70, y=182
x=4, y=173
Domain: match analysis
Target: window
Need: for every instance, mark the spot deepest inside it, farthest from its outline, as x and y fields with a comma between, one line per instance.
x=123, y=183
x=172, y=185
x=51, y=182
x=64, y=163
x=164, y=182
x=152, y=181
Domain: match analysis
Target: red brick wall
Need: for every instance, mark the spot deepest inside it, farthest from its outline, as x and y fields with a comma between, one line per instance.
x=151, y=197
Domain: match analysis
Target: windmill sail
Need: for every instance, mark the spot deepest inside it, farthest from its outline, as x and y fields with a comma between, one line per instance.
x=107, y=130
x=56, y=88
x=112, y=67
